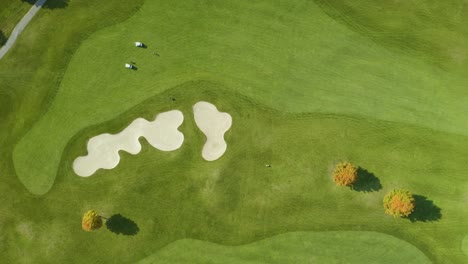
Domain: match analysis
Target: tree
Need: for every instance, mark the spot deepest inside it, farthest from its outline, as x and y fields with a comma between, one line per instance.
x=91, y=221
x=3, y=39
x=345, y=174
x=399, y=203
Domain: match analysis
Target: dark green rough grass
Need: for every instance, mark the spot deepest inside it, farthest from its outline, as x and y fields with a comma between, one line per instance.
x=11, y=12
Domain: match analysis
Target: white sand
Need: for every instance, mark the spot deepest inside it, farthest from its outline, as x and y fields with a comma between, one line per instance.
x=103, y=150
x=213, y=124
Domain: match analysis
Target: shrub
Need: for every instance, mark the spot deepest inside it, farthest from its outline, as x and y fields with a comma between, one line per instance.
x=91, y=221
x=345, y=174
x=399, y=203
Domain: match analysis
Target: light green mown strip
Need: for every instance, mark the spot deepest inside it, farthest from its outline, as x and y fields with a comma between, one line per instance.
x=298, y=247
x=288, y=55
x=465, y=245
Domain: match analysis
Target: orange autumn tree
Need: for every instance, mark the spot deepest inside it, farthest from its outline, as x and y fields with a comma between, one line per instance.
x=91, y=221
x=345, y=174
x=399, y=203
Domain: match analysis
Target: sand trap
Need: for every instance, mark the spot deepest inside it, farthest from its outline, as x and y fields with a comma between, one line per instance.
x=103, y=150
x=213, y=124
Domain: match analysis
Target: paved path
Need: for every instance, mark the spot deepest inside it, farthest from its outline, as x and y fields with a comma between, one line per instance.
x=20, y=27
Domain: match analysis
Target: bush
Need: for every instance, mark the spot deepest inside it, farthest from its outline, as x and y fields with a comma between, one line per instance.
x=399, y=203
x=91, y=221
x=345, y=174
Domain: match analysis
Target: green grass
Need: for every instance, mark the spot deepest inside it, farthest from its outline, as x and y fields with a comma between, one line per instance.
x=431, y=29
x=11, y=13
x=31, y=72
x=305, y=91
x=320, y=66
x=236, y=200
x=465, y=245
x=299, y=247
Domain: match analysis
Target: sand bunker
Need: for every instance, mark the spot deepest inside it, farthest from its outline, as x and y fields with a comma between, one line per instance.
x=103, y=150
x=213, y=124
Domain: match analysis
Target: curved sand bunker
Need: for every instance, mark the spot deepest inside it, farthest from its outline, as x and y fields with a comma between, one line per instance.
x=103, y=150
x=213, y=124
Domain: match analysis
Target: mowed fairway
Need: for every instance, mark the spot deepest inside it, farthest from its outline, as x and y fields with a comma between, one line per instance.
x=306, y=88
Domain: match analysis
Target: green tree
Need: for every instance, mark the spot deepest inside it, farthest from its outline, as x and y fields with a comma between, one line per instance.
x=91, y=221
x=399, y=203
x=345, y=174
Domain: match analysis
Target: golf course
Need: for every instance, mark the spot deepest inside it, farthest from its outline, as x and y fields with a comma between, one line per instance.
x=217, y=139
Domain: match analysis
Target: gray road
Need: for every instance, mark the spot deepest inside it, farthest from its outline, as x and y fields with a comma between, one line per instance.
x=20, y=27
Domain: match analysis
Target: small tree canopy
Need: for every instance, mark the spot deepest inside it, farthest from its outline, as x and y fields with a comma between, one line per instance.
x=91, y=221
x=399, y=203
x=345, y=174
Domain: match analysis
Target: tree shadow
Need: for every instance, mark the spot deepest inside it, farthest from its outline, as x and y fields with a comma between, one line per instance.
x=366, y=181
x=54, y=4
x=424, y=210
x=50, y=4
x=31, y=2
x=121, y=225
x=3, y=38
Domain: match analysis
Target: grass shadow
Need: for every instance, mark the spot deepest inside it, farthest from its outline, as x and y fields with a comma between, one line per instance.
x=31, y=2
x=3, y=38
x=50, y=4
x=425, y=210
x=121, y=225
x=366, y=181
